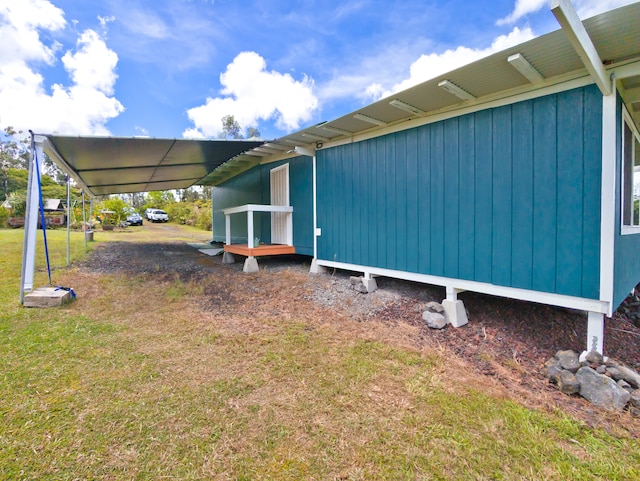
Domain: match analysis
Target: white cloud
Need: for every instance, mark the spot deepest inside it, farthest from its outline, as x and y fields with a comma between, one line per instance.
x=434, y=64
x=252, y=93
x=83, y=107
x=585, y=8
x=146, y=23
x=93, y=64
x=522, y=8
x=19, y=24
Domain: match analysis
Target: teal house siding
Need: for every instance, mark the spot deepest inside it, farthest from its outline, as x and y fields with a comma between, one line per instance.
x=508, y=196
x=253, y=187
x=240, y=190
x=627, y=247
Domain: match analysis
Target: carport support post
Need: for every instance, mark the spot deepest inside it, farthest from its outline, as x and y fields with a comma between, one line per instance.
x=31, y=216
x=69, y=222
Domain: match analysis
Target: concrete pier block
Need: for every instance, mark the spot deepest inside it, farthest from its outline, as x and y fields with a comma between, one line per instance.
x=47, y=297
x=250, y=265
x=316, y=269
x=227, y=258
x=455, y=312
x=370, y=283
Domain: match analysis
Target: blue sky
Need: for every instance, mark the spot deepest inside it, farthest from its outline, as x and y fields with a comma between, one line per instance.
x=174, y=68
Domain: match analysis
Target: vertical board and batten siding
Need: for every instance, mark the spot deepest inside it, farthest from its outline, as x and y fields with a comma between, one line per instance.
x=254, y=187
x=240, y=190
x=627, y=247
x=508, y=196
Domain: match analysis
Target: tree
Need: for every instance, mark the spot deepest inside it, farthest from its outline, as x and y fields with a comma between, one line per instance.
x=159, y=199
x=117, y=206
x=230, y=127
x=191, y=194
x=252, y=133
x=55, y=172
x=14, y=154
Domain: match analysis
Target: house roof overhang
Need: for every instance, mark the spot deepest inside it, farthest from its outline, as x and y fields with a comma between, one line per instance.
x=614, y=35
x=114, y=165
x=108, y=165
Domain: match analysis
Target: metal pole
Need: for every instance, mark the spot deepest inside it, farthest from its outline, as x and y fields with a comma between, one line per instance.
x=26, y=282
x=84, y=222
x=31, y=216
x=68, y=222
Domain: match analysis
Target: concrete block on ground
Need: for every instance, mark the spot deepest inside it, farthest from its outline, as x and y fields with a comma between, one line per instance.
x=227, y=258
x=250, y=265
x=47, y=297
x=317, y=269
x=370, y=284
x=455, y=313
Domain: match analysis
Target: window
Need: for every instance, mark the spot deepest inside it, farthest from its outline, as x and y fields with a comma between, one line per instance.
x=630, y=176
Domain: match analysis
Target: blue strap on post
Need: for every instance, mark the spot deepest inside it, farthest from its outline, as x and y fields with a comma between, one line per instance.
x=44, y=224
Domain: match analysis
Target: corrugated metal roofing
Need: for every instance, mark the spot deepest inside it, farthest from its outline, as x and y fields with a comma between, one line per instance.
x=613, y=33
x=113, y=165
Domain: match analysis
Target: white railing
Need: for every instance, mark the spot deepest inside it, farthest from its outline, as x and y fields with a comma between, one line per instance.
x=250, y=209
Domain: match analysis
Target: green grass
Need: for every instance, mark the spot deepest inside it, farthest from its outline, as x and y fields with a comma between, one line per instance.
x=113, y=387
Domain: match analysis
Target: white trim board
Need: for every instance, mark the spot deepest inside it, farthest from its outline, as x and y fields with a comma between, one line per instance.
x=608, y=199
x=627, y=121
x=560, y=300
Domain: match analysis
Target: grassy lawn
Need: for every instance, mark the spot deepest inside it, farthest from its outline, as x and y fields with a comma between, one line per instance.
x=135, y=380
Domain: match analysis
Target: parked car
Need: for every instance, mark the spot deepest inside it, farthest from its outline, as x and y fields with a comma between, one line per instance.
x=134, y=219
x=157, y=215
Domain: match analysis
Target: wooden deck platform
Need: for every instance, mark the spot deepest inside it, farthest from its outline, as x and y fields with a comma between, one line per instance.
x=262, y=250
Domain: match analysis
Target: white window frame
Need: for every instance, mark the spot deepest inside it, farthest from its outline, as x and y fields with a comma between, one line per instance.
x=625, y=228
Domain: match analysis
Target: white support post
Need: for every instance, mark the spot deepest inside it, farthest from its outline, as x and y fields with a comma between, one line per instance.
x=289, y=228
x=315, y=268
x=250, y=229
x=31, y=216
x=315, y=208
x=608, y=197
x=454, y=309
x=595, y=332
x=212, y=212
x=227, y=257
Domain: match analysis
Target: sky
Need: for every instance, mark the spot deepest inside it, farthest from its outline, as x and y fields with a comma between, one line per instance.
x=175, y=68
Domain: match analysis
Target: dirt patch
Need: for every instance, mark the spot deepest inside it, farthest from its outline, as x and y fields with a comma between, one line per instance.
x=506, y=340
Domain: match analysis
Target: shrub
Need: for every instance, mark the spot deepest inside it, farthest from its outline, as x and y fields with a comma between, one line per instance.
x=180, y=212
x=203, y=219
x=4, y=217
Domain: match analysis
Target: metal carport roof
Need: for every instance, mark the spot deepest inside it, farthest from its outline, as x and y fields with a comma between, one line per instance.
x=114, y=165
